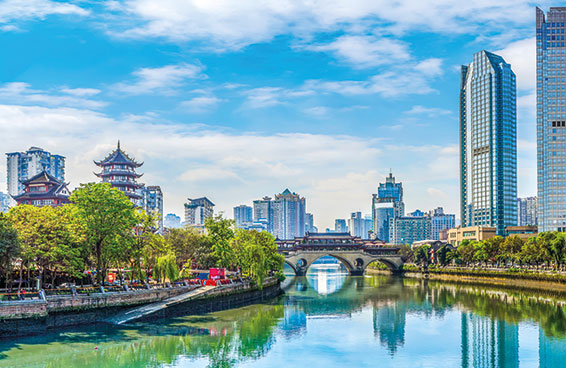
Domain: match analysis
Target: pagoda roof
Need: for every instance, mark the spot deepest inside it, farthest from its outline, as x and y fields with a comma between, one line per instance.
x=118, y=172
x=42, y=178
x=59, y=190
x=118, y=157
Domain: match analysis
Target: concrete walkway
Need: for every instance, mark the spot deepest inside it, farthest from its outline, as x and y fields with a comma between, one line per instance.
x=145, y=310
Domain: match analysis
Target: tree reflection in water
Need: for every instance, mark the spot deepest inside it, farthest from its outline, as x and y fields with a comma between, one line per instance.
x=488, y=333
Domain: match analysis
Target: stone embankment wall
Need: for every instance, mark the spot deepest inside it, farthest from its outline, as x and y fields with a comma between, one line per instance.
x=36, y=316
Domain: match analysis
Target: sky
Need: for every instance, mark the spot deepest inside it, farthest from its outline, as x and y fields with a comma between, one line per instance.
x=238, y=99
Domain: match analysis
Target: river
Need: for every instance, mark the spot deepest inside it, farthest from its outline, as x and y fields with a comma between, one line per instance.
x=328, y=319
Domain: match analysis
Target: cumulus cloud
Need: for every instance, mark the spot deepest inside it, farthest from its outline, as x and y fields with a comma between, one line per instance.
x=19, y=92
x=522, y=57
x=18, y=10
x=163, y=79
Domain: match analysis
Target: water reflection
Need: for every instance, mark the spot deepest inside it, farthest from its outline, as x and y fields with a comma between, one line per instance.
x=329, y=320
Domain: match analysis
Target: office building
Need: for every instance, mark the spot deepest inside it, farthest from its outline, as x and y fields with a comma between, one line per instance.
x=172, y=221
x=24, y=165
x=551, y=119
x=386, y=204
x=472, y=233
x=197, y=211
x=309, y=223
x=263, y=212
x=243, y=215
x=440, y=222
x=527, y=211
x=119, y=170
x=340, y=226
x=488, y=143
x=359, y=226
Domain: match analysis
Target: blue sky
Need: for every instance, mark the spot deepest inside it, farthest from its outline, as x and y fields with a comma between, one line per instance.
x=235, y=100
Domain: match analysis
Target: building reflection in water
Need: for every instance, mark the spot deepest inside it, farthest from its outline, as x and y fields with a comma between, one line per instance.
x=489, y=343
x=552, y=351
x=327, y=275
x=294, y=322
x=389, y=325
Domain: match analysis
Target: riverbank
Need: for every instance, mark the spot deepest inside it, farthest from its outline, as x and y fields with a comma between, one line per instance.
x=537, y=281
x=37, y=316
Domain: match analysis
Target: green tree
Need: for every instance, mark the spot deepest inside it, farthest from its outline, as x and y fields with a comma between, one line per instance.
x=143, y=237
x=9, y=247
x=466, y=251
x=166, y=268
x=510, y=249
x=220, y=232
x=256, y=254
x=422, y=255
x=108, y=217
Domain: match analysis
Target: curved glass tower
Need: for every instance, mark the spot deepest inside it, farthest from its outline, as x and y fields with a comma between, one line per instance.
x=488, y=143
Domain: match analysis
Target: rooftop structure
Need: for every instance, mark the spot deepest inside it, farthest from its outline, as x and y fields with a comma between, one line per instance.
x=43, y=189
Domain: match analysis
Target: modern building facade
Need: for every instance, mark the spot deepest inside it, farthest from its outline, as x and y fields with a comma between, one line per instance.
x=24, y=165
x=440, y=222
x=243, y=215
x=359, y=225
x=527, y=211
x=43, y=190
x=386, y=204
x=119, y=170
x=172, y=221
x=153, y=204
x=409, y=229
x=340, y=226
x=263, y=212
x=551, y=119
x=197, y=211
x=309, y=223
x=288, y=219
x=472, y=233
x=488, y=143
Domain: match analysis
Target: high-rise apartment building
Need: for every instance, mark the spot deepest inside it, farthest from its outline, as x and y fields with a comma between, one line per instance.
x=243, y=215
x=527, y=211
x=262, y=211
x=197, y=211
x=359, y=225
x=288, y=215
x=309, y=223
x=409, y=229
x=386, y=204
x=24, y=165
x=153, y=204
x=551, y=119
x=488, y=143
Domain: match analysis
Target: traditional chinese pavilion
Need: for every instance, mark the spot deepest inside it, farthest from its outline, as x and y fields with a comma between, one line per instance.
x=43, y=189
x=119, y=170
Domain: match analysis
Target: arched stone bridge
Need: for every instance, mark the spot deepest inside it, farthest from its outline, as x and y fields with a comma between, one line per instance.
x=351, y=251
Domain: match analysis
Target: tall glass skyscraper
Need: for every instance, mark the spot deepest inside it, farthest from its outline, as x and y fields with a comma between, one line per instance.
x=386, y=204
x=551, y=119
x=488, y=143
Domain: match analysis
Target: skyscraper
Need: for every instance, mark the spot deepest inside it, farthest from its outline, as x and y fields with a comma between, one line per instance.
x=309, y=223
x=551, y=119
x=440, y=221
x=243, y=215
x=527, y=211
x=288, y=219
x=488, y=143
x=386, y=204
x=24, y=165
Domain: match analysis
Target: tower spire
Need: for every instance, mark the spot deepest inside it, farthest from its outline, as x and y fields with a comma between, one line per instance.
x=118, y=144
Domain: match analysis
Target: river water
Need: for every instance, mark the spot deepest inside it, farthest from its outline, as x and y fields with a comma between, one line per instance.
x=328, y=319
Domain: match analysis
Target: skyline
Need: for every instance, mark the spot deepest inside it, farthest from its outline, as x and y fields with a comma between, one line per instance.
x=319, y=100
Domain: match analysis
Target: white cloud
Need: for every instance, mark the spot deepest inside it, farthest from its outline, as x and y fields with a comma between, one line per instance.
x=16, y=10
x=264, y=97
x=226, y=24
x=19, y=92
x=201, y=103
x=365, y=51
x=80, y=91
x=522, y=57
x=427, y=111
x=163, y=79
